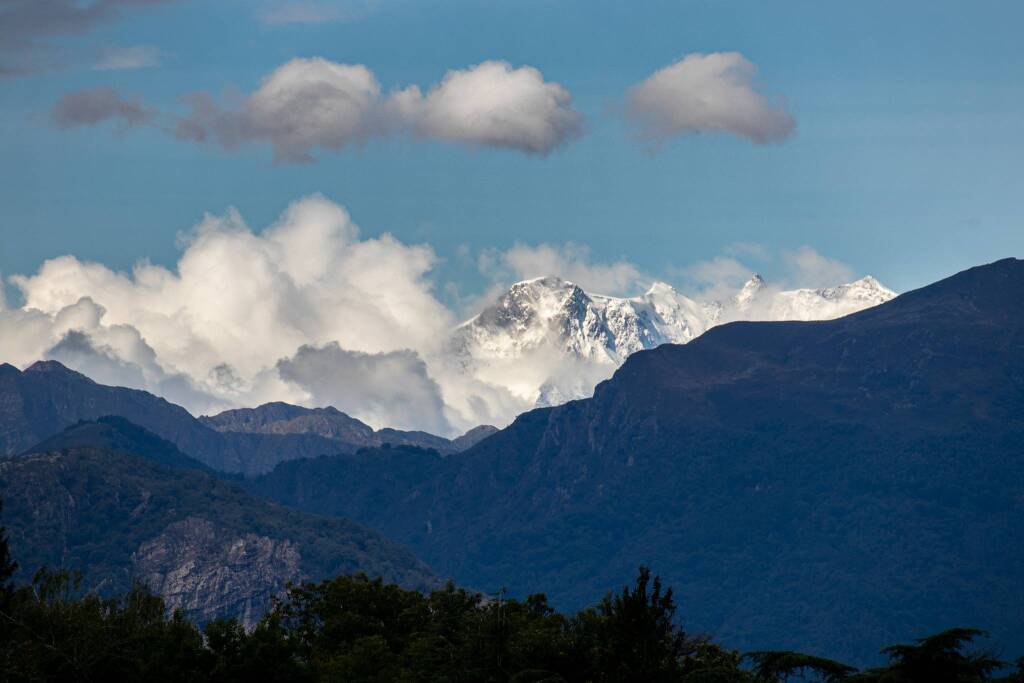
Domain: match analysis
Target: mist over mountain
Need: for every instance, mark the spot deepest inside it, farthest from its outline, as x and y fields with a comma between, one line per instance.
x=801, y=484
x=47, y=397
x=308, y=312
x=549, y=341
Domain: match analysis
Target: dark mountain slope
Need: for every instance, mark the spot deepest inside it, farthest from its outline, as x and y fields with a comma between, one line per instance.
x=204, y=544
x=816, y=485
x=114, y=433
x=48, y=397
x=331, y=423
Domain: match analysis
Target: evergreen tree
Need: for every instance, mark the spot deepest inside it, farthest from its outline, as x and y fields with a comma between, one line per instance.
x=940, y=658
x=781, y=665
x=639, y=639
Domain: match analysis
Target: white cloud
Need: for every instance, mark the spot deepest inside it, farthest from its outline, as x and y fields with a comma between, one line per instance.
x=309, y=104
x=493, y=105
x=302, y=105
x=706, y=93
x=808, y=268
x=309, y=311
x=124, y=58
x=237, y=303
x=569, y=261
x=719, y=277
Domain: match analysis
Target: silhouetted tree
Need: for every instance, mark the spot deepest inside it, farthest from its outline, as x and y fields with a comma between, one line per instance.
x=639, y=639
x=7, y=564
x=781, y=665
x=940, y=658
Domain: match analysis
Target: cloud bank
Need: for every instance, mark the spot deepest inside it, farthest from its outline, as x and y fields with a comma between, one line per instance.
x=706, y=93
x=310, y=104
x=308, y=311
x=238, y=303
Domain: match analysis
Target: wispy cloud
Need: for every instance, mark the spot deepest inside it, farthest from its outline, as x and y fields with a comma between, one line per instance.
x=94, y=106
x=29, y=28
x=569, y=261
x=306, y=12
x=126, y=58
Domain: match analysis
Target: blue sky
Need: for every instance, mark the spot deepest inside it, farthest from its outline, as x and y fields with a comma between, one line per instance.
x=906, y=160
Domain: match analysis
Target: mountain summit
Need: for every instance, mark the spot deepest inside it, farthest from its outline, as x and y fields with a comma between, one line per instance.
x=549, y=341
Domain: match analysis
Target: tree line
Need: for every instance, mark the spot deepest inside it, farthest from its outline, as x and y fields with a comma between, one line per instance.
x=355, y=628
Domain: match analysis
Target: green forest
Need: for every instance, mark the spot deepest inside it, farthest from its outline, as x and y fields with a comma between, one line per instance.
x=355, y=628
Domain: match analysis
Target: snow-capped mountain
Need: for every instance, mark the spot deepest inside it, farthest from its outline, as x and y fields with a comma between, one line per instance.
x=757, y=301
x=549, y=341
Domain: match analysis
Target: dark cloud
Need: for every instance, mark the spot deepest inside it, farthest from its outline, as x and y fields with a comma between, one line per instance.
x=92, y=106
x=27, y=28
x=108, y=365
x=384, y=389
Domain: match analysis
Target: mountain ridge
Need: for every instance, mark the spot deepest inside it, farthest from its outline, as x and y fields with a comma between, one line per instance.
x=203, y=544
x=47, y=397
x=547, y=320
x=764, y=468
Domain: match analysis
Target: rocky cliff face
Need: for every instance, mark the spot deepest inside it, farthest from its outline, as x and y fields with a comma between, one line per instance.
x=204, y=544
x=207, y=570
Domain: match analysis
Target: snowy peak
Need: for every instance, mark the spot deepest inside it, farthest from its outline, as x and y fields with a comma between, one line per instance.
x=826, y=303
x=549, y=341
x=751, y=289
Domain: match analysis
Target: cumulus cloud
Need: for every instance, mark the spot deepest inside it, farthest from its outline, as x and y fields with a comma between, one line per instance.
x=28, y=27
x=309, y=104
x=93, y=106
x=120, y=357
x=245, y=315
x=706, y=93
x=493, y=105
x=386, y=389
x=302, y=105
x=309, y=311
x=569, y=261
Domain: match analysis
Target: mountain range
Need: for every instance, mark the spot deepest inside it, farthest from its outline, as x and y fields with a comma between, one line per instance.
x=809, y=484
x=816, y=484
x=85, y=500
x=548, y=341
x=47, y=397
